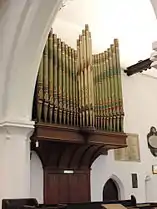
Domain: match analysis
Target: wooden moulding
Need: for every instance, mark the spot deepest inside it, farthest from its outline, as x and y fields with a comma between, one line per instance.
x=56, y=133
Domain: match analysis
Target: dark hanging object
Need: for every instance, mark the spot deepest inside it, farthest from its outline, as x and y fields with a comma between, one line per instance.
x=139, y=67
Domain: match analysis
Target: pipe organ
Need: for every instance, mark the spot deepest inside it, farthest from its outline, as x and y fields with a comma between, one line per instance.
x=77, y=88
x=78, y=109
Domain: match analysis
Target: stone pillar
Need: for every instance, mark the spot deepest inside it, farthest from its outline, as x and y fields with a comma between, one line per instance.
x=15, y=159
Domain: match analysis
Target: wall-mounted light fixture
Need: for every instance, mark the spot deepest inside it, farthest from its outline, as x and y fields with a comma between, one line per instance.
x=37, y=144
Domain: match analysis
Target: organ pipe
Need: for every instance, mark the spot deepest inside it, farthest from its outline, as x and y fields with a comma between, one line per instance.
x=50, y=76
x=77, y=88
x=46, y=94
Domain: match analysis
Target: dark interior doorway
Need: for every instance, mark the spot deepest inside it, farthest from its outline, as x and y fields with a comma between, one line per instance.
x=110, y=191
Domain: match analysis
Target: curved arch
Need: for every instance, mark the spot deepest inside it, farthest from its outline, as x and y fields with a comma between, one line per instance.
x=25, y=26
x=110, y=191
x=119, y=185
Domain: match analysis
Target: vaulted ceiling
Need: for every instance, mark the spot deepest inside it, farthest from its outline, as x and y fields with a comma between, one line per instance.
x=133, y=22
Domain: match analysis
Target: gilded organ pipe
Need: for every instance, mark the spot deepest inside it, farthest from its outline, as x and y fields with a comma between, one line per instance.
x=85, y=76
x=90, y=76
x=79, y=83
x=106, y=94
x=46, y=94
x=97, y=90
x=50, y=76
x=73, y=88
x=40, y=93
x=55, y=78
x=63, y=82
x=60, y=77
x=94, y=92
x=70, y=86
x=117, y=112
x=67, y=84
x=116, y=43
x=76, y=87
x=103, y=91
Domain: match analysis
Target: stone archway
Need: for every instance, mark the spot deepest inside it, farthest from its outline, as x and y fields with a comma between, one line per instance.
x=110, y=191
x=115, y=184
x=24, y=27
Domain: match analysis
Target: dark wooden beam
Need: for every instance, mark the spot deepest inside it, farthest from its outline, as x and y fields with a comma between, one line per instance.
x=58, y=133
x=139, y=67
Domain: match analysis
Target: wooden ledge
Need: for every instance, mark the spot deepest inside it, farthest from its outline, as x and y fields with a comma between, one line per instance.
x=53, y=132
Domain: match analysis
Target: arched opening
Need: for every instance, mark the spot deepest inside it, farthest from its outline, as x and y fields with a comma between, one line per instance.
x=110, y=191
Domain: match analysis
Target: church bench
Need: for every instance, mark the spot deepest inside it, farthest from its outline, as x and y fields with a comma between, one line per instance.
x=17, y=203
x=31, y=203
x=27, y=203
x=146, y=205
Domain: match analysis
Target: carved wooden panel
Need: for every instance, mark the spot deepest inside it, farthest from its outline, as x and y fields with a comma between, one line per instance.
x=61, y=187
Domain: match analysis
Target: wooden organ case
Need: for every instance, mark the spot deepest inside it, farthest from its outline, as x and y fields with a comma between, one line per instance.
x=78, y=110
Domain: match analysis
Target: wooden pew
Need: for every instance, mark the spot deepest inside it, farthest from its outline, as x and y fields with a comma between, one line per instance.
x=27, y=203
x=33, y=203
x=145, y=206
x=17, y=203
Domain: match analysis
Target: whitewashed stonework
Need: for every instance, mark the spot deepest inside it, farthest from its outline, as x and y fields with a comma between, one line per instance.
x=15, y=159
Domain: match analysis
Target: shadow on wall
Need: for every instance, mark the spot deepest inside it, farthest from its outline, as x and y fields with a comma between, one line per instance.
x=36, y=178
x=113, y=189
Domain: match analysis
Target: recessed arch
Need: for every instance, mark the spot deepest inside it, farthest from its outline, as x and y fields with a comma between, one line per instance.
x=116, y=185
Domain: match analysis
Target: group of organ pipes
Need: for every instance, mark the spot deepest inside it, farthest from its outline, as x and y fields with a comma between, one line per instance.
x=76, y=88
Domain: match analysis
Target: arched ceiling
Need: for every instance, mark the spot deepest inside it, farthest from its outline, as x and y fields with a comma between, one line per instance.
x=133, y=22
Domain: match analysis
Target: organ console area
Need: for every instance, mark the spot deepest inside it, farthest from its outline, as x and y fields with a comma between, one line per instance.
x=78, y=110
